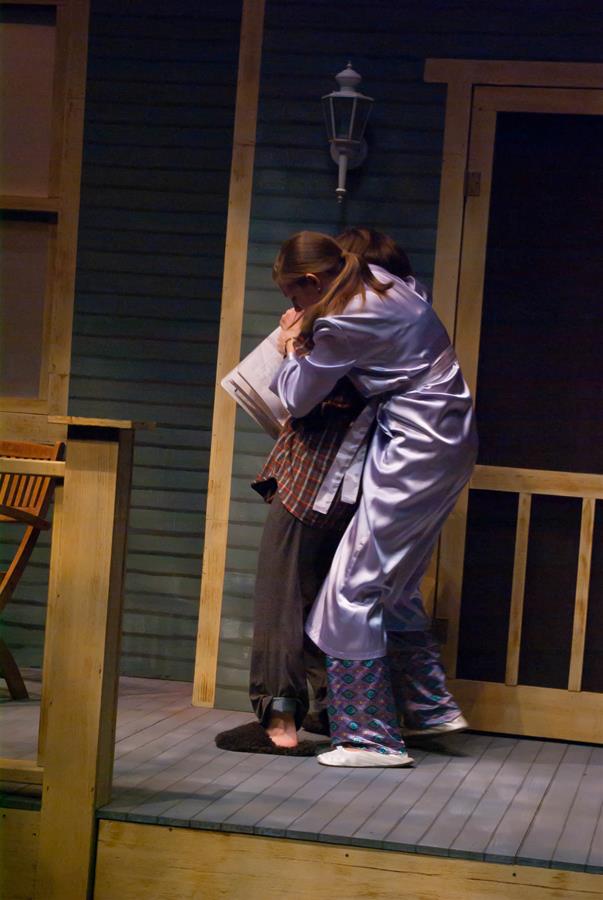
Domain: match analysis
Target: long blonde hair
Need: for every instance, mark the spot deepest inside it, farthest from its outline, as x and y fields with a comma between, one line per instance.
x=310, y=252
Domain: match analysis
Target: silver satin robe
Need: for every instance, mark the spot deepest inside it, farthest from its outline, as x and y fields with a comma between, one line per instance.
x=396, y=352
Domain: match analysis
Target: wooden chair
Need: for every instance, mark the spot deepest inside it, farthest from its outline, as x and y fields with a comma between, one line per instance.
x=24, y=500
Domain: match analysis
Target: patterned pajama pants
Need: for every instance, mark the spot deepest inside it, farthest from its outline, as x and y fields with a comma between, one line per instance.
x=367, y=697
x=418, y=679
x=361, y=706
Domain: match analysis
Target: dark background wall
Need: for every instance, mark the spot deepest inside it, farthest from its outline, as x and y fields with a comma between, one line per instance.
x=396, y=190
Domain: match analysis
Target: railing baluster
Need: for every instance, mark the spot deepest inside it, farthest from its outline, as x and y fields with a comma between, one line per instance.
x=518, y=587
x=582, y=590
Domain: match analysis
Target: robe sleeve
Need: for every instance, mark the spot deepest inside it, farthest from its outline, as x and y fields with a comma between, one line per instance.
x=303, y=381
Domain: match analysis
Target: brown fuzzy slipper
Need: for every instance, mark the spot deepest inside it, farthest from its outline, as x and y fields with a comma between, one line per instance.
x=317, y=723
x=253, y=738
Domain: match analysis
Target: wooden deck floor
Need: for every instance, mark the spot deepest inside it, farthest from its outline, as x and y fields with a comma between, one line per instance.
x=499, y=799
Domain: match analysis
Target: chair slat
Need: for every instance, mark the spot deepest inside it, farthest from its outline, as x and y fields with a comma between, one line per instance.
x=4, y=486
x=21, y=489
x=27, y=496
x=12, y=490
x=39, y=484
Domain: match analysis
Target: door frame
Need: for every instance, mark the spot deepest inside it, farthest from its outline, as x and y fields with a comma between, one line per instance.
x=23, y=418
x=476, y=92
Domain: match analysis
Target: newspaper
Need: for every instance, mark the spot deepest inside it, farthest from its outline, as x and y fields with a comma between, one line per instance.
x=249, y=384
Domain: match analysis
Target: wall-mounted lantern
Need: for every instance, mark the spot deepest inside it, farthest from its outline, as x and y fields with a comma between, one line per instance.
x=346, y=114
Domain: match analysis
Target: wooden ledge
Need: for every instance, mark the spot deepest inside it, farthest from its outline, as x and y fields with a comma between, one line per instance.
x=83, y=422
x=515, y=72
x=22, y=771
x=11, y=465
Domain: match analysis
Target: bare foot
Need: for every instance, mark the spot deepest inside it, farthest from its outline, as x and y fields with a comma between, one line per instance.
x=281, y=730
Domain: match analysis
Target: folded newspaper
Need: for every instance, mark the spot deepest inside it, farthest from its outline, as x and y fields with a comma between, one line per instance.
x=249, y=384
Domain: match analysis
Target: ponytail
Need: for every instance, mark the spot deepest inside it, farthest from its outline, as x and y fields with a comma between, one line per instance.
x=312, y=252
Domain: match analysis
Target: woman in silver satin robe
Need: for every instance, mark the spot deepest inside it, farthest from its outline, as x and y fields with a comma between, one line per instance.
x=379, y=331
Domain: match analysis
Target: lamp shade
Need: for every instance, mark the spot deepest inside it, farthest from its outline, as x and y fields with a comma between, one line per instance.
x=346, y=111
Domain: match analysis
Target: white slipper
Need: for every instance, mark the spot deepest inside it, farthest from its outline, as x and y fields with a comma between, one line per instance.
x=458, y=724
x=343, y=756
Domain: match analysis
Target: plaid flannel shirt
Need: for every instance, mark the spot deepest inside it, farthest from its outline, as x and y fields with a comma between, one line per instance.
x=303, y=454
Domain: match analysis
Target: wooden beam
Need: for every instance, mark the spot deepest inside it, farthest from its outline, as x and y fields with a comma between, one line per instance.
x=530, y=711
x=147, y=860
x=473, y=259
x=21, y=426
x=465, y=296
x=29, y=204
x=19, y=830
x=582, y=591
x=81, y=658
x=544, y=74
x=540, y=100
x=452, y=202
x=84, y=422
x=65, y=180
x=537, y=481
x=229, y=346
x=23, y=771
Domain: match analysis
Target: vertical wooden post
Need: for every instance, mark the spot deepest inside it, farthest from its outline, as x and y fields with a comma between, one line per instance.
x=82, y=653
x=520, y=562
x=452, y=197
x=582, y=590
x=229, y=347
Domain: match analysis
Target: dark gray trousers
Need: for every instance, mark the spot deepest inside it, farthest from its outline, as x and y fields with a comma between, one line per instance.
x=293, y=562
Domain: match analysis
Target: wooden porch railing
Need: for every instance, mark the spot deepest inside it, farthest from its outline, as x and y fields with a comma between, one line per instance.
x=526, y=483
x=81, y=648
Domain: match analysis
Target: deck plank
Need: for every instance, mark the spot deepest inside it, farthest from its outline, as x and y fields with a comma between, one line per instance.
x=281, y=819
x=422, y=815
x=548, y=824
x=355, y=814
x=513, y=826
x=311, y=823
x=160, y=733
x=498, y=799
x=258, y=808
x=481, y=825
x=594, y=861
x=236, y=788
x=442, y=834
x=202, y=787
x=412, y=785
x=574, y=845
x=154, y=772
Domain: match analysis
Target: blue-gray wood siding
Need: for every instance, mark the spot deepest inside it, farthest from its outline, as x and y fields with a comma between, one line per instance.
x=157, y=146
x=396, y=190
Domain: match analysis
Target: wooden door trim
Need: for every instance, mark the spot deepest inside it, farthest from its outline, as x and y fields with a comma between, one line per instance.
x=461, y=77
x=580, y=101
x=482, y=88
x=511, y=72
